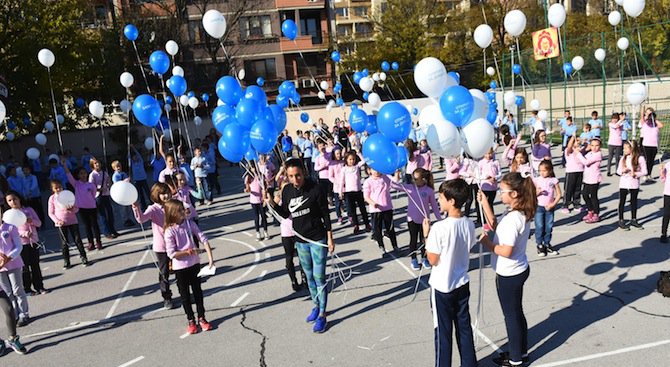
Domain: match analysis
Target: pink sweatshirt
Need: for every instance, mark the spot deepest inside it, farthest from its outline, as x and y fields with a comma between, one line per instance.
x=96, y=178
x=321, y=165
x=179, y=237
x=378, y=189
x=286, y=228
x=537, y=155
x=167, y=172
x=28, y=231
x=255, y=190
x=468, y=171
x=156, y=214
x=350, y=179
x=666, y=185
x=414, y=163
x=427, y=161
x=508, y=154
x=489, y=171
x=546, y=193
x=452, y=168
x=591, y=164
x=10, y=245
x=631, y=180
x=84, y=193
x=184, y=195
x=572, y=162
x=616, y=129
x=335, y=176
x=58, y=213
x=423, y=196
x=649, y=135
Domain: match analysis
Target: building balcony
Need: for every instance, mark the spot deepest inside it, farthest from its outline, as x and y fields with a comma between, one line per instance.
x=306, y=42
x=300, y=4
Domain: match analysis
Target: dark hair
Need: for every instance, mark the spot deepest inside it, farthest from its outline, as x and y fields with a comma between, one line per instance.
x=587, y=125
x=16, y=194
x=615, y=115
x=514, y=166
x=594, y=113
x=504, y=129
x=549, y=166
x=526, y=193
x=55, y=182
x=171, y=208
x=569, y=118
x=536, y=139
x=456, y=189
x=77, y=171
x=351, y=153
x=426, y=175
x=294, y=162
x=157, y=190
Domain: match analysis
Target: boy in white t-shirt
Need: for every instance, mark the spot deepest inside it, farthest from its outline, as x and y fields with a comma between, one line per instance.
x=448, y=247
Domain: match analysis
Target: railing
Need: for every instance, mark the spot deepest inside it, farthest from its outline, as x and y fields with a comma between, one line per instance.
x=306, y=42
x=299, y=3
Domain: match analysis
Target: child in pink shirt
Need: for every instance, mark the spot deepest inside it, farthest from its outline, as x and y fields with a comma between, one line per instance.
x=84, y=193
x=65, y=220
x=520, y=163
x=510, y=150
x=11, y=281
x=181, y=249
x=666, y=202
x=414, y=161
x=321, y=165
x=452, y=168
x=548, y=196
x=470, y=172
x=377, y=193
x=253, y=186
x=631, y=168
x=335, y=177
x=574, y=174
x=350, y=181
x=426, y=154
x=489, y=171
x=592, y=179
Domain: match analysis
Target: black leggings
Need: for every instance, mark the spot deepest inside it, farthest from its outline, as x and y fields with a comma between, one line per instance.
x=416, y=237
x=8, y=311
x=666, y=215
x=327, y=187
x=614, y=156
x=188, y=278
x=590, y=193
x=354, y=198
x=73, y=230
x=164, y=274
x=649, y=156
x=510, y=294
x=90, y=218
x=384, y=219
x=490, y=197
x=633, y=202
x=32, y=274
x=472, y=198
x=289, y=253
x=573, y=188
x=259, y=215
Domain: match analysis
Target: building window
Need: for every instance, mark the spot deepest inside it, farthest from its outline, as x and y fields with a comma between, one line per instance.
x=342, y=12
x=100, y=12
x=255, y=27
x=361, y=11
x=264, y=67
x=310, y=25
x=343, y=30
x=363, y=28
x=195, y=31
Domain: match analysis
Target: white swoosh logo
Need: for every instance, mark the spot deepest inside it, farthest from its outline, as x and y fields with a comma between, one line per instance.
x=295, y=204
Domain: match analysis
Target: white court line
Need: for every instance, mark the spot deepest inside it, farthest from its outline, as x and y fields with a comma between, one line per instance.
x=257, y=258
x=82, y=324
x=240, y=299
x=132, y=362
x=409, y=271
x=126, y=286
x=267, y=256
x=247, y=234
x=606, y=354
x=262, y=275
x=184, y=336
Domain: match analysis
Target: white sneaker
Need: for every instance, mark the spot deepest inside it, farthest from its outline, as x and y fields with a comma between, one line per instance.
x=258, y=236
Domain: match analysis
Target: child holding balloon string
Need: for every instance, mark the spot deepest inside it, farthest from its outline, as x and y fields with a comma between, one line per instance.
x=63, y=214
x=520, y=163
x=350, y=181
x=489, y=173
x=415, y=160
x=541, y=150
x=11, y=263
x=377, y=193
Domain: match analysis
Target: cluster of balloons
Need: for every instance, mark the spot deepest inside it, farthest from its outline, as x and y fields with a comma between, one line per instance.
x=287, y=94
x=392, y=126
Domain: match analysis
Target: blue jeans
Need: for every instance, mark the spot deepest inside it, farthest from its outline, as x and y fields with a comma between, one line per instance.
x=204, y=189
x=510, y=295
x=104, y=204
x=313, y=260
x=449, y=310
x=340, y=205
x=544, y=223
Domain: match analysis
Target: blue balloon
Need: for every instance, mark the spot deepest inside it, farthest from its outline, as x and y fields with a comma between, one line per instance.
x=380, y=154
x=131, y=32
x=26, y=121
x=80, y=102
x=516, y=69
x=164, y=123
x=287, y=88
x=251, y=154
x=339, y=101
x=260, y=81
x=236, y=139
x=357, y=77
x=567, y=67
x=190, y=94
x=160, y=62
x=371, y=126
x=168, y=99
x=518, y=100
x=295, y=98
x=205, y=97
x=491, y=96
x=492, y=116
x=386, y=66
x=289, y=29
x=358, y=120
x=177, y=85
x=457, y=105
x=394, y=121
x=246, y=112
x=147, y=110
x=493, y=84
x=228, y=90
x=11, y=125
x=402, y=156
x=263, y=136
x=415, y=111
x=365, y=72
x=304, y=117
x=222, y=116
x=279, y=117
x=257, y=94
x=337, y=88
x=454, y=75
x=282, y=101
x=335, y=56
x=366, y=95
x=395, y=66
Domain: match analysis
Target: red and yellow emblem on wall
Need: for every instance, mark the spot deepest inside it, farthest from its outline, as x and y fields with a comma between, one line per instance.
x=546, y=44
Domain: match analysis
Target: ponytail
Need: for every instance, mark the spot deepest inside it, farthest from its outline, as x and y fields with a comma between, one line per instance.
x=526, y=200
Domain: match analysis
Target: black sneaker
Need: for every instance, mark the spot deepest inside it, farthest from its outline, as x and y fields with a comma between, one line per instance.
x=550, y=250
x=541, y=251
x=23, y=321
x=296, y=287
x=383, y=251
x=636, y=224
x=67, y=266
x=609, y=174
x=664, y=239
x=622, y=225
x=168, y=304
x=503, y=360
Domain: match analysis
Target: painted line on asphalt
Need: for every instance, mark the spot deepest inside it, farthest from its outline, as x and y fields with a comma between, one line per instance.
x=132, y=362
x=126, y=286
x=409, y=271
x=257, y=258
x=267, y=256
x=247, y=234
x=240, y=299
x=184, y=336
x=262, y=275
x=78, y=325
x=606, y=354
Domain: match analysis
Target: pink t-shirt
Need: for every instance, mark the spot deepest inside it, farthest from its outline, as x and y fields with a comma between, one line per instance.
x=452, y=168
x=101, y=180
x=488, y=173
x=286, y=227
x=572, y=162
x=255, y=190
x=184, y=195
x=666, y=184
x=427, y=160
x=84, y=193
x=167, y=172
x=591, y=164
x=631, y=180
x=378, y=189
x=156, y=215
x=508, y=154
x=468, y=170
x=28, y=231
x=423, y=196
x=321, y=165
x=58, y=213
x=415, y=163
x=335, y=175
x=616, y=129
x=649, y=135
x=545, y=190
x=180, y=238
x=351, y=178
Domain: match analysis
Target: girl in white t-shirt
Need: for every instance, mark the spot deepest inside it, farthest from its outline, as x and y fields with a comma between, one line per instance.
x=548, y=196
x=509, y=260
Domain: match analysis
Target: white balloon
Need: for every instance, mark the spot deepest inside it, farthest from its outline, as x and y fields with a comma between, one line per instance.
x=375, y=77
x=477, y=138
x=241, y=74
x=490, y=71
x=197, y=121
x=149, y=143
x=46, y=57
x=535, y=105
x=125, y=106
x=193, y=102
x=431, y=78
x=443, y=138
x=556, y=15
x=600, y=54
x=3, y=112
x=219, y=103
x=178, y=70
x=382, y=76
x=332, y=103
x=60, y=119
x=33, y=153
x=515, y=23
x=636, y=93
x=481, y=104
x=96, y=108
x=633, y=7
x=509, y=98
x=123, y=193
x=366, y=84
x=578, y=63
x=49, y=126
x=619, y=2
x=483, y=35
x=324, y=85
x=41, y=139
x=428, y=116
x=167, y=108
x=53, y=157
x=322, y=95
x=14, y=217
x=183, y=100
x=623, y=43
x=126, y=79
x=542, y=115
x=10, y=136
x=329, y=108
x=374, y=100
x=614, y=18
x=65, y=198
x=214, y=23
x=171, y=47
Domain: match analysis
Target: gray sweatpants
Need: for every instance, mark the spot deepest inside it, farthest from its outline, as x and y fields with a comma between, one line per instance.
x=11, y=282
x=8, y=311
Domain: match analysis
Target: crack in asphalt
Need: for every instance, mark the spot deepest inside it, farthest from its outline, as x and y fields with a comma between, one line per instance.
x=623, y=303
x=244, y=318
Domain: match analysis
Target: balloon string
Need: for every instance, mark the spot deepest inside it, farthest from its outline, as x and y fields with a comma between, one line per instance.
x=188, y=136
x=409, y=91
x=318, y=87
x=389, y=89
x=174, y=147
x=53, y=102
x=130, y=171
x=139, y=63
x=104, y=141
x=419, y=207
x=230, y=61
x=495, y=61
x=350, y=83
x=399, y=86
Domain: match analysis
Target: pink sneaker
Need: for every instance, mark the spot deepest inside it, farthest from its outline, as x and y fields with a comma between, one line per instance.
x=588, y=217
x=595, y=218
x=565, y=211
